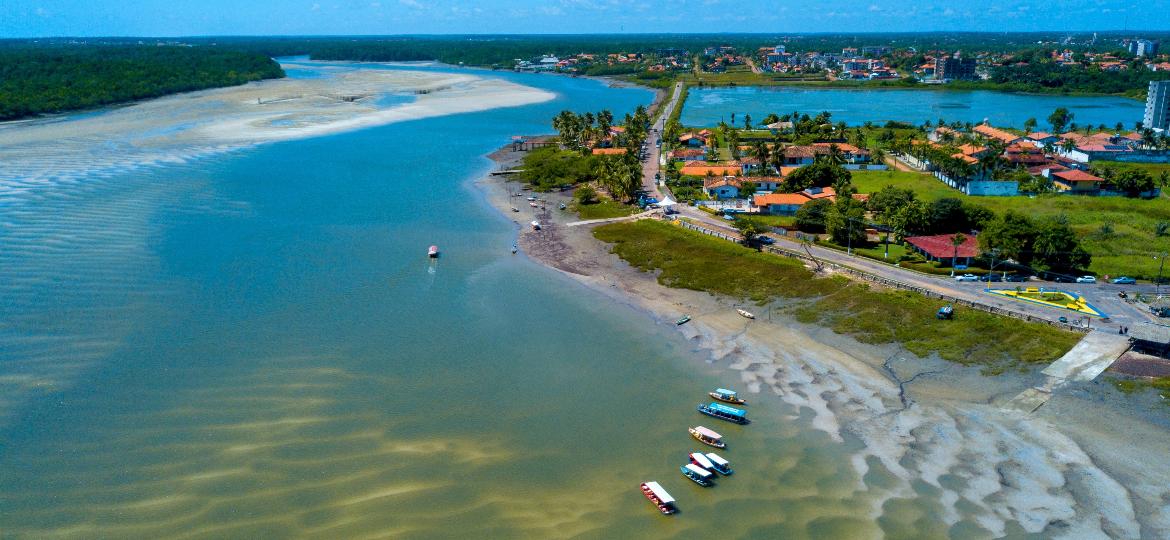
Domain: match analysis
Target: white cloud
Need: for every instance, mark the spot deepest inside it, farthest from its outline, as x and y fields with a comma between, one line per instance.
x=315, y=7
x=875, y=7
x=411, y=4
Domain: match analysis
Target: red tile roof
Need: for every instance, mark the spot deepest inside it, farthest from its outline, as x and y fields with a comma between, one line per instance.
x=940, y=245
x=995, y=133
x=609, y=151
x=1076, y=176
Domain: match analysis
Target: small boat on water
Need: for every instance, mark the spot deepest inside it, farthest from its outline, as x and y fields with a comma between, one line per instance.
x=699, y=475
x=725, y=395
x=746, y=313
x=724, y=412
x=698, y=458
x=433, y=252
x=514, y=209
x=659, y=497
x=683, y=320
x=535, y=225
x=707, y=436
x=721, y=465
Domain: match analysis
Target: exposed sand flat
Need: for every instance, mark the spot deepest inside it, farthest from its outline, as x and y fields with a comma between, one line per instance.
x=182, y=127
x=989, y=472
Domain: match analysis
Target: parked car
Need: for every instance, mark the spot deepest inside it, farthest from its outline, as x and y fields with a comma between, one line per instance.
x=1124, y=280
x=1086, y=279
x=1061, y=279
x=766, y=239
x=991, y=277
x=729, y=217
x=1016, y=278
x=967, y=277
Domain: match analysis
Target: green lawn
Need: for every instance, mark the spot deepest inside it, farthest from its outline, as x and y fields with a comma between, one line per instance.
x=925, y=186
x=604, y=209
x=1127, y=250
x=690, y=260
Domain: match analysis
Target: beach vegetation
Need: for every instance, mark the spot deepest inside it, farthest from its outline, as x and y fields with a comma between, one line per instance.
x=602, y=208
x=549, y=167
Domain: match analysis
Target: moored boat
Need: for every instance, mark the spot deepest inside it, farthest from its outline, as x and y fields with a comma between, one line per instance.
x=729, y=396
x=707, y=436
x=725, y=412
x=745, y=313
x=683, y=320
x=535, y=225
x=721, y=465
x=433, y=252
x=659, y=497
x=701, y=460
x=699, y=475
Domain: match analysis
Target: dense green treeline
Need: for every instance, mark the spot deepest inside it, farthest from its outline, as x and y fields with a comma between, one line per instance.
x=1051, y=77
x=48, y=79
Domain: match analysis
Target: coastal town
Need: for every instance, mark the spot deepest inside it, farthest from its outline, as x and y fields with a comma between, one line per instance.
x=798, y=284
x=925, y=207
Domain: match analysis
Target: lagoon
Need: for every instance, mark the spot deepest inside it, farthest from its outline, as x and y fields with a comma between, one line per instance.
x=708, y=106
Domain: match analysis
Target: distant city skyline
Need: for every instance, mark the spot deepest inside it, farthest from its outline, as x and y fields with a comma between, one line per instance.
x=169, y=18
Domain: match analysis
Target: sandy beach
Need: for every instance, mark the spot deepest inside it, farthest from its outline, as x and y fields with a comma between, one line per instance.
x=1088, y=464
x=182, y=127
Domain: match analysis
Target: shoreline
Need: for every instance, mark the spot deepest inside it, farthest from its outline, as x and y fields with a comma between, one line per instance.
x=952, y=417
x=862, y=85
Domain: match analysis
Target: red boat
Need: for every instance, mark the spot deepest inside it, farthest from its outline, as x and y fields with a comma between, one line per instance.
x=659, y=497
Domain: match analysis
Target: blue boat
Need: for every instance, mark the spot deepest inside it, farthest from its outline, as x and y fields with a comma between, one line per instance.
x=724, y=412
x=699, y=475
x=719, y=464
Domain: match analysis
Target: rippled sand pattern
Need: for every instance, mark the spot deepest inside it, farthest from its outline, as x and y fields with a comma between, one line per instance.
x=268, y=453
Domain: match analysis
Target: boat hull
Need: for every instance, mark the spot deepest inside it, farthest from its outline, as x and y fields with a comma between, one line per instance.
x=695, y=479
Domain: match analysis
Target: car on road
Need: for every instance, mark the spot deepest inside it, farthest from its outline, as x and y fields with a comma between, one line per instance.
x=729, y=217
x=991, y=277
x=967, y=277
x=766, y=239
x=1061, y=279
x=1016, y=278
x=1086, y=279
x=1124, y=280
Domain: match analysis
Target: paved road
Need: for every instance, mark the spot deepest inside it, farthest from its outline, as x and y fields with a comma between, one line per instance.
x=651, y=165
x=1102, y=296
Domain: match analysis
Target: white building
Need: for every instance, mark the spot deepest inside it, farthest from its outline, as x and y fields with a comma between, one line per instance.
x=1158, y=106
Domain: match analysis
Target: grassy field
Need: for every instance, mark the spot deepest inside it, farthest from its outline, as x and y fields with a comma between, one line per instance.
x=690, y=260
x=604, y=209
x=925, y=186
x=1126, y=246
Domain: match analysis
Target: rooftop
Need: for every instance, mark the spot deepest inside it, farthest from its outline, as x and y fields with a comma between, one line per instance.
x=940, y=246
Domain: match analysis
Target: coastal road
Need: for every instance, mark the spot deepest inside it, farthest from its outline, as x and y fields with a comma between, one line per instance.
x=651, y=165
x=1103, y=296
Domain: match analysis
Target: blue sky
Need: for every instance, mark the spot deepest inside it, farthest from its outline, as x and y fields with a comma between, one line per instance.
x=32, y=18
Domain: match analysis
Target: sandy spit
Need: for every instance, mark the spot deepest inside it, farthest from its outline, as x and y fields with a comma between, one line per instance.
x=182, y=127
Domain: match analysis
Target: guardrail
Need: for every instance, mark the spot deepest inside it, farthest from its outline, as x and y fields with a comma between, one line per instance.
x=892, y=283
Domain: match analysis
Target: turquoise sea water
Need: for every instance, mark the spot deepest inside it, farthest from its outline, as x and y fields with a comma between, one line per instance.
x=707, y=106
x=254, y=345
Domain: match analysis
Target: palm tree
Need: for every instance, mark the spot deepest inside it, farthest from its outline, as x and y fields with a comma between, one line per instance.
x=747, y=122
x=956, y=241
x=1067, y=145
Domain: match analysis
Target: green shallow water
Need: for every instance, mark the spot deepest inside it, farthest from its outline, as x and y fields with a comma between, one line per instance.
x=254, y=346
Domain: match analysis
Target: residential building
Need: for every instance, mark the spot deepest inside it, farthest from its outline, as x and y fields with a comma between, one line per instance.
x=688, y=154
x=722, y=188
x=701, y=168
x=693, y=140
x=610, y=151
x=941, y=247
x=1143, y=48
x=786, y=204
x=1006, y=137
x=954, y=68
x=1158, y=106
x=1074, y=181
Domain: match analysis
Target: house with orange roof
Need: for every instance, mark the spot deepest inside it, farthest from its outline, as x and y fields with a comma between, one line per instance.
x=1042, y=138
x=786, y=204
x=610, y=151
x=1024, y=153
x=989, y=132
x=693, y=140
x=702, y=168
x=1074, y=181
x=726, y=187
x=688, y=154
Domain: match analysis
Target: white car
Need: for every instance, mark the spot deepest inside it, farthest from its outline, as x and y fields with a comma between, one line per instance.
x=1086, y=279
x=967, y=277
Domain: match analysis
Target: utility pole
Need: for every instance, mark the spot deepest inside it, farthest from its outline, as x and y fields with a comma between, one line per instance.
x=850, y=240
x=1158, y=282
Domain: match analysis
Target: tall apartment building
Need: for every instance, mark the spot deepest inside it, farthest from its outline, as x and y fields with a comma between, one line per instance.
x=1142, y=48
x=954, y=68
x=1158, y=106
